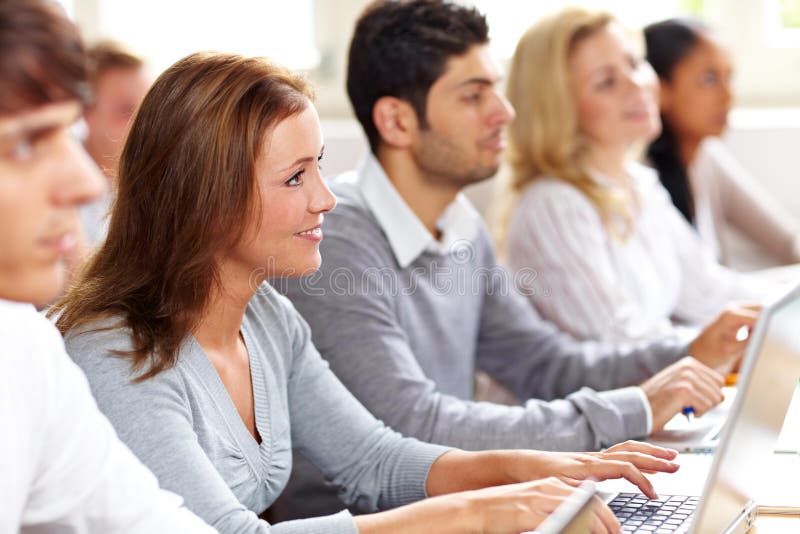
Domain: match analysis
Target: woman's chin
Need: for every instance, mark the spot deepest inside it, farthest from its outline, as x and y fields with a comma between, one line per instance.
x=303, y=270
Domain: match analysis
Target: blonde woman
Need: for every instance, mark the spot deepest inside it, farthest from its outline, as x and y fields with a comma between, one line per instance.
x=591, y=236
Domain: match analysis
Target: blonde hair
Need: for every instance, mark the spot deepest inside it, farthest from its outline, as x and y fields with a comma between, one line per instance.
x=544, y=139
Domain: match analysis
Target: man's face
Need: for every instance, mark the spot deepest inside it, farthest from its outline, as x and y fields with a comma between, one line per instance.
x=44, y=176
x=466, y=116
x=117, y=94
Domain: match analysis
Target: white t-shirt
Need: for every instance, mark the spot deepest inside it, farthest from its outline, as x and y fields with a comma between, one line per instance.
x=62, y=468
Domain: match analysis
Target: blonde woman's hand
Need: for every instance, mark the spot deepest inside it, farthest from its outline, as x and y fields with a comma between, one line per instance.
x=721, y=344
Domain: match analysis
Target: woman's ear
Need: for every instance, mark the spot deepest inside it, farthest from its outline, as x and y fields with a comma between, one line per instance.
x=396, y=121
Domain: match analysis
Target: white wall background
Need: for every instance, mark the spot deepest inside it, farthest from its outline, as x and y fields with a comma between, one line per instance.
x=313, y=35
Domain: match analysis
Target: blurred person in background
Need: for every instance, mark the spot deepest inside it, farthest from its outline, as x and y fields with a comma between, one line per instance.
x=613, y=259
x=118, y=79
x=705, y=181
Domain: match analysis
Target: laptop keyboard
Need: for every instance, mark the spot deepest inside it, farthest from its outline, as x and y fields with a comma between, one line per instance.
x=668, y=515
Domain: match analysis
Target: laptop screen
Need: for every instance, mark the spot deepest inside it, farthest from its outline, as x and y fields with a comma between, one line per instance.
x=769, y=376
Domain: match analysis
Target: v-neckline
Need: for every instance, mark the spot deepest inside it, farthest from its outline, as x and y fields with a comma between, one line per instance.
x=247, y=442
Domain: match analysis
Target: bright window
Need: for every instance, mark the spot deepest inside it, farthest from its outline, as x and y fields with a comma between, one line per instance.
x=782, y=23
x=166, y=30
x=508, y=19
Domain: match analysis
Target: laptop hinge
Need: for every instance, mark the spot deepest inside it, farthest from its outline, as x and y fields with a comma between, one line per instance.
x=744, y=521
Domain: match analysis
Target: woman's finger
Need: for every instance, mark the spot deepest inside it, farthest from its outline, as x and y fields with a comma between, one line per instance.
x=607, y=469
x=646, y=448
x=643, y=461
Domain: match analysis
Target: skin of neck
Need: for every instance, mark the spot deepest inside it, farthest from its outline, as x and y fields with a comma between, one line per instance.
x=610, y=161
x=427, y=196
x=219, y=327
x=687, y=149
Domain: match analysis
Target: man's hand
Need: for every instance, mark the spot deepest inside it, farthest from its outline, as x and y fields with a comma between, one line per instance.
x=685, y=383
x=717, y=346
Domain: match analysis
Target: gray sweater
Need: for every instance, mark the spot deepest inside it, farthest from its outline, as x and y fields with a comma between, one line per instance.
x=183, y=425
x=407, y=340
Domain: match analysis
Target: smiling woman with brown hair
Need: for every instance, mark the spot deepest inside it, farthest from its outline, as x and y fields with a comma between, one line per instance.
x=211, y=377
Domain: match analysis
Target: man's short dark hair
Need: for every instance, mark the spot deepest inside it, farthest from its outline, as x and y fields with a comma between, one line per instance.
x=42, y=58
x=400, y=48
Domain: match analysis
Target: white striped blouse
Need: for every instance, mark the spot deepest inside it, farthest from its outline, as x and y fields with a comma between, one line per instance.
x=598, y=287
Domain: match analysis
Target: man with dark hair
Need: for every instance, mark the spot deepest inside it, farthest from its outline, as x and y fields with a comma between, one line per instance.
x=385, y=52
x=62, y=467
x=409, y=300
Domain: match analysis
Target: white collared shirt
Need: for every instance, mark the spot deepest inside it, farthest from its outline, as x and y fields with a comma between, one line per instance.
x=407, y=235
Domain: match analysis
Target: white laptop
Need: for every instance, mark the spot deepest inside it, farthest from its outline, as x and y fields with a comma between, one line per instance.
x=700, y=434
x=573, y=516
x=767, y=382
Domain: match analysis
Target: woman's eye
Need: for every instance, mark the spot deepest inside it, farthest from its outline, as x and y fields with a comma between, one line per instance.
x=606, y=83
x=295, y=179
x=709, y=78
x=319, y=162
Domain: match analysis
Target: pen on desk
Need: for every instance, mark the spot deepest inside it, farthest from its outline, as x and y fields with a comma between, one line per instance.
x=688, y=411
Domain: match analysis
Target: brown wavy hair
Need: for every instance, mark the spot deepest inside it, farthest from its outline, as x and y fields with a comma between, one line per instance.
x=186, y=195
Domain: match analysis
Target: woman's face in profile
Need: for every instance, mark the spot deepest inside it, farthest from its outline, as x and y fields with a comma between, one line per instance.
x=284, y=239
x=616, y=91
x=698, y=96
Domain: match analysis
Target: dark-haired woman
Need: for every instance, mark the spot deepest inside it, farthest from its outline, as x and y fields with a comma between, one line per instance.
x=706, y=182
x=211, y=377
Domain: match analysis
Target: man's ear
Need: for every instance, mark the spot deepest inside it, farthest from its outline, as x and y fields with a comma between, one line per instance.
x=396, y=121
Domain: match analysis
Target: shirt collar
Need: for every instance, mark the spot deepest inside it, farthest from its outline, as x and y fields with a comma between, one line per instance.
x=407, y=236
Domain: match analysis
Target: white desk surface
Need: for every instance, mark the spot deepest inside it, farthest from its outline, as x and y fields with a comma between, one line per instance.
x=778, y=487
